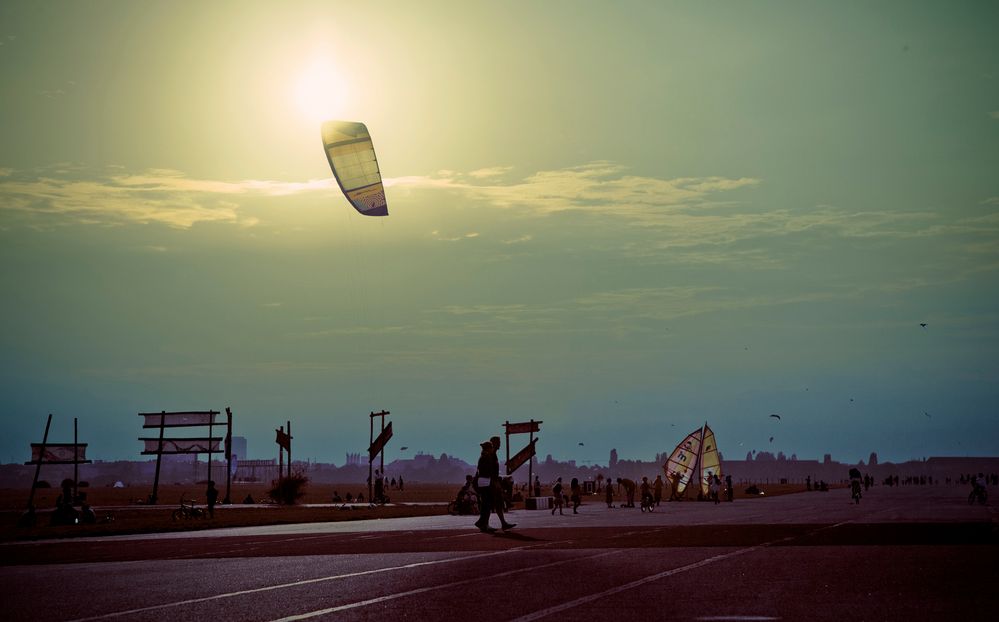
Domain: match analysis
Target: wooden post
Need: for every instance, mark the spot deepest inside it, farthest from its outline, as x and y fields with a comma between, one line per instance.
x=159, y=457
x=211, y=420
x=506, y=430
x=530, y=465
x=289, y=448
x=371, y=442
x=76, y=464
x=228, y=455
x=281, y=459
x=38, y=467
x=382, y=458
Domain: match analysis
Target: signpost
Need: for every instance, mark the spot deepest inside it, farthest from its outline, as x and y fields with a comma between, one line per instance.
x=525, y=454
x=210, y=444
x=283, y=440
x=377, y=446
x=74, y=453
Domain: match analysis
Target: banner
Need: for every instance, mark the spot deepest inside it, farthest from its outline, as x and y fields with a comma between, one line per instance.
x=179, y=420
x=58, y=453
x=182, y=445
x=523, y=428
x=379, y=443
x=522, y=456
x=284, y=440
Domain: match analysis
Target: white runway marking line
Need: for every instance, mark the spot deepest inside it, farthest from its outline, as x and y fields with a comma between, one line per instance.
x=422, y=590
x=541, y=613
x=268, y=588
x=736, y=618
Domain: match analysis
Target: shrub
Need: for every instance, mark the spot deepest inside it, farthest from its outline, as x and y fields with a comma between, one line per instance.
x=288, y=490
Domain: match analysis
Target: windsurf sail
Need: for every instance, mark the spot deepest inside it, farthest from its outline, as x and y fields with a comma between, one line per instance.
x=682, y=462
x=710, y=462
x=694, y=460
x=352, y=158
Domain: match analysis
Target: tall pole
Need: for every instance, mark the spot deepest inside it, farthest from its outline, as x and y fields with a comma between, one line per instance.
x=76, y=464
x=38, y=467
x=159, y=457
x=530, y=465
x=211, y=422
x=383, y=451
x=281, y=459
x=289, y=449
x=228, y=454
x=371, y=436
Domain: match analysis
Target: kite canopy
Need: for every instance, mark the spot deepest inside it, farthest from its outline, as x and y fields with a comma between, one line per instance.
x=352, y=158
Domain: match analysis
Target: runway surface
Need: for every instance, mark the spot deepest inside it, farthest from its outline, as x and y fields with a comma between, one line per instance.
x=917, y=553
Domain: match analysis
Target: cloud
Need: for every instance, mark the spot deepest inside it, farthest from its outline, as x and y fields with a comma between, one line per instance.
x=994, y=114
x=437, y=235
x=596, y=187
x=485, y=173
x=154, y=196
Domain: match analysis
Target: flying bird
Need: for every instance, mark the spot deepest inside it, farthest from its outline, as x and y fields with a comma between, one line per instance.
x=403, y=448
x=923, y=324
x=927, y=414
x=771, y=439
x=581, y=445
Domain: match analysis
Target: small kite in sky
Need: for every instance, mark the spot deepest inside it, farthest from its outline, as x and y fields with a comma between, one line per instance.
x=923, y=324
x=927, y=414
x=776, y=416
x=581, y=445
x=771, y=439
x=403, y=448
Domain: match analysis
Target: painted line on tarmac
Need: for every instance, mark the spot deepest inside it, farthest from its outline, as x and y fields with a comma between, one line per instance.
x=268, y=588
x=541, y=613
x=423, y=590
x=720, y=618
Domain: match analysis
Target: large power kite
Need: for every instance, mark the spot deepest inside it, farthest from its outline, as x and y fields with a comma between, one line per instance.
x=352, y=157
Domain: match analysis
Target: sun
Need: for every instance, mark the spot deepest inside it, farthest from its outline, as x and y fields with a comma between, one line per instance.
x=320, y=92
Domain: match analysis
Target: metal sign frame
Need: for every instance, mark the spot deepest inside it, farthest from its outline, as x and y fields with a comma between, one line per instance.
x=525, y=454
x=76, y=461
x=188, y=419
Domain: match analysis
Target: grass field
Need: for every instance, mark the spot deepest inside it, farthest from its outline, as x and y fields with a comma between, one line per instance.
x=131, y=515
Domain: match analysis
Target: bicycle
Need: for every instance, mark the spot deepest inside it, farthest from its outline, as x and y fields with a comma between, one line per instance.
x=187, y=510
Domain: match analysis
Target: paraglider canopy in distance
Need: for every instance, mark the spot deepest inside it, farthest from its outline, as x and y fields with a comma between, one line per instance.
x=352, y=157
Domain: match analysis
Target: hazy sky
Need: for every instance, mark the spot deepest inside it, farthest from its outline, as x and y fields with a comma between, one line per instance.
x=621, y=218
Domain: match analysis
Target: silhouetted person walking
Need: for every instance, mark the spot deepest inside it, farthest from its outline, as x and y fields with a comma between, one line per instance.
x=484, y=485
x=211, y=495
x=499, y=496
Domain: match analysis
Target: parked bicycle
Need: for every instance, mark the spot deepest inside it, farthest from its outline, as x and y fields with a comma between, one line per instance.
x=187, y=510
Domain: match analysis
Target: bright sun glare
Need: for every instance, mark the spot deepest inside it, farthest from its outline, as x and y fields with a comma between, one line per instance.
x=320, y=92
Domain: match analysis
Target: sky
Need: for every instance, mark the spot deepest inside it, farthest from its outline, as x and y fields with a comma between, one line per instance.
x=622, y=219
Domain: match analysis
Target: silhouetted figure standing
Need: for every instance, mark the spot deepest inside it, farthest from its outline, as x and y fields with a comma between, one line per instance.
x=609, y=492
x=211, y=495
x=657, y=487
x=629, y=491
x=728, y=487
x=557, y=494
x=575, y=494
x=537, y=486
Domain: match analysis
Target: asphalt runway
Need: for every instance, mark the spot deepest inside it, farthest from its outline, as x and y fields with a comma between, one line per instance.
x=915, y=553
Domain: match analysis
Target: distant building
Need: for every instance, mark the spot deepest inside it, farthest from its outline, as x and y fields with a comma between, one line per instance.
x=353, y=459
x=239, y=447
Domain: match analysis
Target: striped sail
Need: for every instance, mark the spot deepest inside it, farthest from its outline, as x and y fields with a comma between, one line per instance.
x=710, y=460
x=680, y=466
